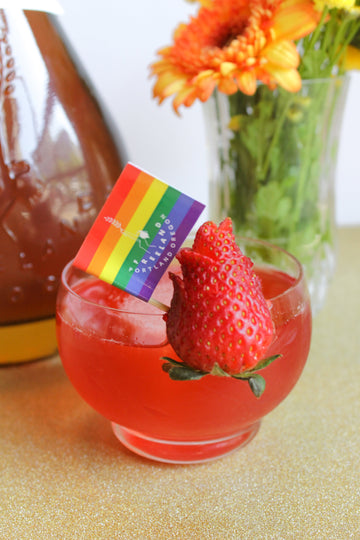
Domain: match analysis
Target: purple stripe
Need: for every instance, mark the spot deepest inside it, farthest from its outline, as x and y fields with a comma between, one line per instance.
x=182, y=232
x=181, y=218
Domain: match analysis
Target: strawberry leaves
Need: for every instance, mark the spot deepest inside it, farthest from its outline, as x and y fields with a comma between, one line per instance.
x=179, y=371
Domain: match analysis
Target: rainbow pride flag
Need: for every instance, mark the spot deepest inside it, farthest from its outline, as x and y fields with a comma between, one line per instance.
x=138, y=232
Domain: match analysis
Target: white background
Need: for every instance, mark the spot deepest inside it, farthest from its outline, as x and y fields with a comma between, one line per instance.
x=117, y=40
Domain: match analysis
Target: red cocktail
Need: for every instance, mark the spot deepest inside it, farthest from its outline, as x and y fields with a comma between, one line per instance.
x=112, y=344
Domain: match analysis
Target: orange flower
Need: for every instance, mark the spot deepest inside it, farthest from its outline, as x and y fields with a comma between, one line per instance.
x=231, y=45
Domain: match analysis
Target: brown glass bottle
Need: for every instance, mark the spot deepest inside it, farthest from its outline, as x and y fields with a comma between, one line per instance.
x=58, y=162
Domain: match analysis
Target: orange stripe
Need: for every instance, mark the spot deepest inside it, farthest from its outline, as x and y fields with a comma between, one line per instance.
x=124, y=215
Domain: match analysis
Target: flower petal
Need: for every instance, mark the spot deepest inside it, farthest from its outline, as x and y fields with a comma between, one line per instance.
x=226, y=68
x=289, y=79
x=227, y=86
x=283, y=54
x=167, y=85
x=247, y=82
x=295, y=19
x=184, y=97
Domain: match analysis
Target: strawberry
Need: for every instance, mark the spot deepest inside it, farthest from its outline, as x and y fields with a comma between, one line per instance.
x=219, y=322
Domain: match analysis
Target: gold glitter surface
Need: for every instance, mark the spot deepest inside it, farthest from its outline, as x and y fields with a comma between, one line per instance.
x=63, y=474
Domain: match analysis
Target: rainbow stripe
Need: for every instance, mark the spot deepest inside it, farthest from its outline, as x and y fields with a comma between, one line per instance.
x=138, y=232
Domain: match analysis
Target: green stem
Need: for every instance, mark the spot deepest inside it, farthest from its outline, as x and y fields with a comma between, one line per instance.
x=309, y=44
x=304, y=177
x=276, y=135
x=348, y=34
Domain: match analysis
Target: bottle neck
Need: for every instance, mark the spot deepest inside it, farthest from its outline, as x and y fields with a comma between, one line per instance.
x=50, y=6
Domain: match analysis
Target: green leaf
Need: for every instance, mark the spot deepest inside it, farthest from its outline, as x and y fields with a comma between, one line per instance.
x=260, y=365
x=178, y=371
x=183, y=373
x=172, y=361
x=257, y=384
x=265, y=362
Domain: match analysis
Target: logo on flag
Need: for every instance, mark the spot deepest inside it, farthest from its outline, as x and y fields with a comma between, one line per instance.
x=138, y=232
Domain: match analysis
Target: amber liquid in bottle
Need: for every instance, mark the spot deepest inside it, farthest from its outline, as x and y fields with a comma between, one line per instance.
x=58, y=162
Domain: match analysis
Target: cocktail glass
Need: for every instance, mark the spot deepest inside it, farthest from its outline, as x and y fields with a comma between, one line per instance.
x=112, y=344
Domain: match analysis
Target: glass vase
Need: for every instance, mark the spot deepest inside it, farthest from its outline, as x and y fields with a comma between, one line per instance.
x=272, y=160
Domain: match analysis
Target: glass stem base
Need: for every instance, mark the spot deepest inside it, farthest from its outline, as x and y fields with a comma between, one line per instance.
x=182, y=452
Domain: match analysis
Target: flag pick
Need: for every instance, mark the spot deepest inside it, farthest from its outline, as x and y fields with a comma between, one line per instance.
x=137, y=233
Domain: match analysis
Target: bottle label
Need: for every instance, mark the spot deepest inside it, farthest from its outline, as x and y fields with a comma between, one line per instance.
x=51, y=6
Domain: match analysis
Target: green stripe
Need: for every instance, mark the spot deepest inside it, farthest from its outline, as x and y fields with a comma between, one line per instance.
x=164, y=206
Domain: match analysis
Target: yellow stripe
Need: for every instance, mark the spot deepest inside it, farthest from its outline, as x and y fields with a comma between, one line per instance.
x=141, y=216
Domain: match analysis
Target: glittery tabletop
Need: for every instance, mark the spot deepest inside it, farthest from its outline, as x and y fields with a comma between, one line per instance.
x=63, y=474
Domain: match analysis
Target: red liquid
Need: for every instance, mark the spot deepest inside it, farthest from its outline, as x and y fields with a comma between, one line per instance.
x=120, y=374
